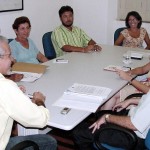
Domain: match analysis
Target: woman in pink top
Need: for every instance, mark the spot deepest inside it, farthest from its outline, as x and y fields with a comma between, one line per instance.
x=134, y=35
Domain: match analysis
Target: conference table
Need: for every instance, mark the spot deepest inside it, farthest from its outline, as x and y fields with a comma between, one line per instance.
x=84, y=68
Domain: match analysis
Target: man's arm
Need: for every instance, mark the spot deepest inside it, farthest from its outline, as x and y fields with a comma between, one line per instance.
x=123, y=121
x=68, y=48
x=124, y=104
x=91, y=42
x=91, y=46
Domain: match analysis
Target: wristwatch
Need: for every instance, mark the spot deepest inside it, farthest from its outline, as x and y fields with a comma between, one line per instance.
x=107, y=117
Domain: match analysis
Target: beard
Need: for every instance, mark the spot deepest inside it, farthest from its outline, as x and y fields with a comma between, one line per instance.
x=67, y=25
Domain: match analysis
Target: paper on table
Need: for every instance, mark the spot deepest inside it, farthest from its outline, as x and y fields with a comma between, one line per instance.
x=136, y=55
x=83, y=97
x=87, y=90
x=28, y=67
x=113, y=68
x=29, y=76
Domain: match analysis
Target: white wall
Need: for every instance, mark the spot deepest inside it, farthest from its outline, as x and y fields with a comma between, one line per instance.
x=96, y=17
x=43, y=14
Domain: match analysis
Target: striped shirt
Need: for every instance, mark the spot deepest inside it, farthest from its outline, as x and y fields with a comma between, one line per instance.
x=62, y=36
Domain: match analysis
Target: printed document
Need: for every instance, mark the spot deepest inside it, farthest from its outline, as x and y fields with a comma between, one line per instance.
x=83, y=97
x=29, y=76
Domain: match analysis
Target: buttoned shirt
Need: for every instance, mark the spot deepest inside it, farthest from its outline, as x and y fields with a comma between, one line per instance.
x=62, y=36
x=15, y=105
x=140, y=116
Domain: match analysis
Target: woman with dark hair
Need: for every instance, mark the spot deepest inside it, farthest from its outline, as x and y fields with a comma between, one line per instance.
x=23, y=48
x=134, y=34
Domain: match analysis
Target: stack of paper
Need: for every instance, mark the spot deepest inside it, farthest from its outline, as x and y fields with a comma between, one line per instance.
x=83, y=97
x=136, y=55
x=30, y=71
x=29, y=76
x=114, y=67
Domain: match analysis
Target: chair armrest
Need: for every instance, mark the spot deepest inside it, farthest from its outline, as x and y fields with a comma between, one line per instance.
x=25, y=144
x=134, y=95
x=115, y=136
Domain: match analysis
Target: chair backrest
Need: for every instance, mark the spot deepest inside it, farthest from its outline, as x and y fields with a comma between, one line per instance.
x=9, y=40
x=147, y=140
x=25, y=144
x=117, y=33
x=48, y=46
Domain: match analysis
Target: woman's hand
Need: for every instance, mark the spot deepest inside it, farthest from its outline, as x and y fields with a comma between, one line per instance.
x=124, y=75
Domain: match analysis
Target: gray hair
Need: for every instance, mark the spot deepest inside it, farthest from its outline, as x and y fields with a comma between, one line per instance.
x=2, y=40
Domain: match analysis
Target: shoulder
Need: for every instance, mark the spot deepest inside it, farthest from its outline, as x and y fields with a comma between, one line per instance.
x=13, y=42
x=124, y=31
x=30, y=40
x=57, y=29
x=7, y=83
x=143, y=29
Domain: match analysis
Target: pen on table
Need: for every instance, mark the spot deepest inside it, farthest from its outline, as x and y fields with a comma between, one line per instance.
x=30, y=95
x=127, y=67
x=59, y=59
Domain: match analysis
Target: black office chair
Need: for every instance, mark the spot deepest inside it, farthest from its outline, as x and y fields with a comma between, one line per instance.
x=112, y=144
x=48, y=46
x=25, y=144
x=117, y=33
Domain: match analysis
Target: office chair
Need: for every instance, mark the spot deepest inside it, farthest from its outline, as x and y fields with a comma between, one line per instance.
x=129, y=136
x=117, y=33
x=147, y=140
x=25, y=144
x=48, y=46
x=9, y=40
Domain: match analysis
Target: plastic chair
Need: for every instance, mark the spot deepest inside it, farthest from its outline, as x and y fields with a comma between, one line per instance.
x=117, y=33
x=48, y=46
x=25, y=144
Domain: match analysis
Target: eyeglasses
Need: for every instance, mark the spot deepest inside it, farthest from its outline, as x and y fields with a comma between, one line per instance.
x=9, y=55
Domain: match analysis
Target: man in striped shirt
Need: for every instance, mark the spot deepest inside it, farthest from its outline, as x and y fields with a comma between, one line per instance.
x=70, y=38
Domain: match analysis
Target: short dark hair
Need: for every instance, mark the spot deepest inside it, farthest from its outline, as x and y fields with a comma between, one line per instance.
x=136, y=15
x=64, y=9
x=20, y=20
